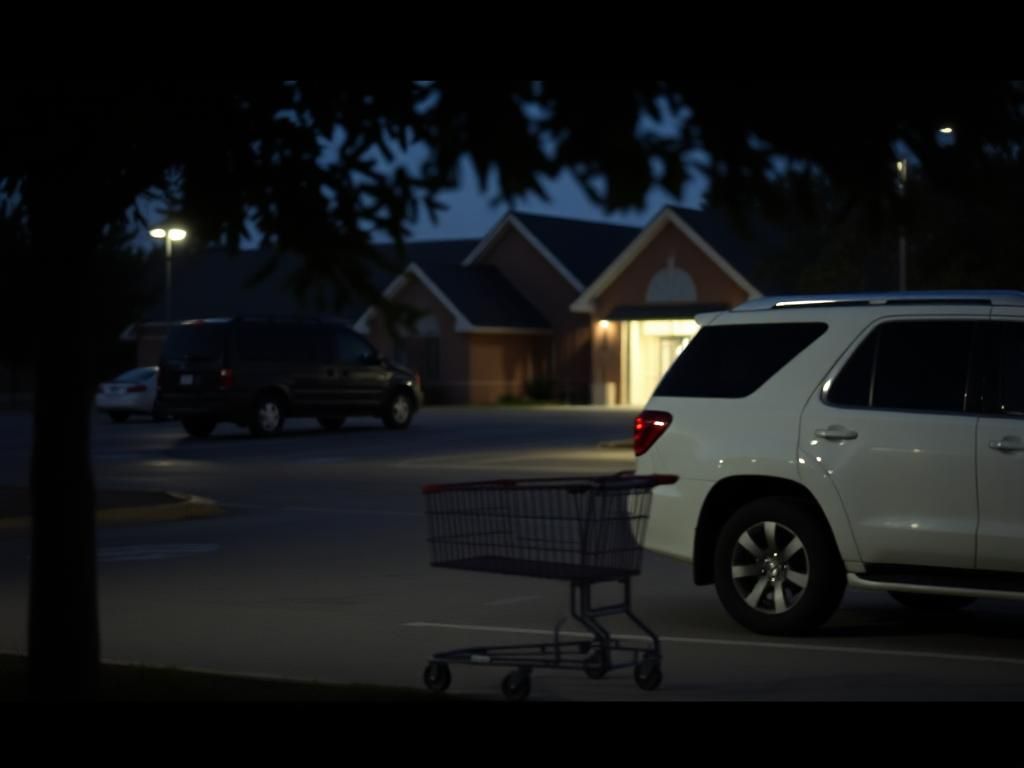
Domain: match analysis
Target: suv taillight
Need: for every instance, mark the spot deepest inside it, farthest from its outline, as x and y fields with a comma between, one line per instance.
x=648, y=427
x=227, y=378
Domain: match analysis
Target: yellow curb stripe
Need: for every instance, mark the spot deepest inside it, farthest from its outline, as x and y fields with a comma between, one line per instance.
x=189, y=508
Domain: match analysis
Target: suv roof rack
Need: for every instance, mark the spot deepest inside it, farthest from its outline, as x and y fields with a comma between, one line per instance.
x=985, y=298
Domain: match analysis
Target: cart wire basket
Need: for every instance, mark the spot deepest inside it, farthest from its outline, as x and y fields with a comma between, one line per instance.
x=583, y=530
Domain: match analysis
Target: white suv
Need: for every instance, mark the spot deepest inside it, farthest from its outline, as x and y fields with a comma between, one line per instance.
x=869, y=440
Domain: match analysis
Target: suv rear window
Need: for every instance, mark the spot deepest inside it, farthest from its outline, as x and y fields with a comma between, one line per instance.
x=733, y=361
x=195, y=342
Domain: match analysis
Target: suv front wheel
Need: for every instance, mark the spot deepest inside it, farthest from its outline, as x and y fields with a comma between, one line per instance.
x=777, y=570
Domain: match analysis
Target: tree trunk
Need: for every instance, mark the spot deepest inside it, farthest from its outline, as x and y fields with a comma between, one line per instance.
x=63, y=638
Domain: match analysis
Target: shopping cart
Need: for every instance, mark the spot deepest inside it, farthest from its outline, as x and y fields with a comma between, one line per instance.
x=582, y=530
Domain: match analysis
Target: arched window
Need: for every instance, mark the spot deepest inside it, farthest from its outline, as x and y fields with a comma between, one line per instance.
x=671, y=286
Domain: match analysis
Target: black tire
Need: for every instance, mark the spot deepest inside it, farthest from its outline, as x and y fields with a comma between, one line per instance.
x=332, y=425
x=267, y=416
x=437, y=677
x=931, y=603
x=806, y=570
x=648, y=674
x=198, y=426
x=597, y=664
x=119, y=418
x=159, y=414
x=516, y=686
x=399, y=411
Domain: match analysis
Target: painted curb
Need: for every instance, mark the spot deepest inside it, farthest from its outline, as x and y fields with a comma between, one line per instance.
x=184, y=507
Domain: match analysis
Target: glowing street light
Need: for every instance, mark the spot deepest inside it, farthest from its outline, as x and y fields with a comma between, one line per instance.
x=169, y=236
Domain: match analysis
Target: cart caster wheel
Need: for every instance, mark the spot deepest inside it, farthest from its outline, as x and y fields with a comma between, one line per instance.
x=437, y=677
x=597, y=665
x=648, y=674
x=516, y=686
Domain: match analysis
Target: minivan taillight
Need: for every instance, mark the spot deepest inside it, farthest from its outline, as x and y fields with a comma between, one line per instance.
x=227, y=378
x=648, y=427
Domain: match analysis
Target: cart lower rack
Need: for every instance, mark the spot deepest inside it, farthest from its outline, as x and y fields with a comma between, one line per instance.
x=584, y=531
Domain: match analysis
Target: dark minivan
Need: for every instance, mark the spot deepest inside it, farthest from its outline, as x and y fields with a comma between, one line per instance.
x=255, y=372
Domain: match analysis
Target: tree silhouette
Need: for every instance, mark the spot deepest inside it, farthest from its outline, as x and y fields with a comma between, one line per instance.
x=318, y=168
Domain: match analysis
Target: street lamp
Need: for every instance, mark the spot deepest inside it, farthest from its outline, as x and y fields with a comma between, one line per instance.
x=169, y=236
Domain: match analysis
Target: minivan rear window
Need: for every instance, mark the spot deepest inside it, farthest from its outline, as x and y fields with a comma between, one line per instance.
x=734, y=361
x=195, y=342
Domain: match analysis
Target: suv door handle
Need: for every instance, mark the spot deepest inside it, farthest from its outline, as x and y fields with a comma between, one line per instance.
x=835, y=433
x=1008, y=444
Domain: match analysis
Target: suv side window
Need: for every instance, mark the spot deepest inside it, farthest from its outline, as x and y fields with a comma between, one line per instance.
x=733, y=361
x=353, y=349
x=909, y=366
x=1005, y=395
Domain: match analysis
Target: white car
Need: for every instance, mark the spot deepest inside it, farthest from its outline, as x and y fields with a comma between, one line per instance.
x=133, y=392
x=875, y=441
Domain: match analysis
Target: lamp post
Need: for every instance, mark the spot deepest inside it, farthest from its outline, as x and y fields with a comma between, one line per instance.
x=902, y=173
x=901, y=178
x=169, y=236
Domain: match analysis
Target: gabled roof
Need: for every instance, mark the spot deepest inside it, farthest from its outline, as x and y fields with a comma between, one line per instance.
x=484, y=296
x=479, y=297
x=711, y=231
x=585, y=247
x=578, y=250
x=746, y=243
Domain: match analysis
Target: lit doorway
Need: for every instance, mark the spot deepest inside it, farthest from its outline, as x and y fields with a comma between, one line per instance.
x=651, y=347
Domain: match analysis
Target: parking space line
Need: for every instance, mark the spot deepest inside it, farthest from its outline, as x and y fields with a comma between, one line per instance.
x=733, y=643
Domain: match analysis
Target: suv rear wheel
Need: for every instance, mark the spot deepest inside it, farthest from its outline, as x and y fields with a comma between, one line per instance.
x=777, y=569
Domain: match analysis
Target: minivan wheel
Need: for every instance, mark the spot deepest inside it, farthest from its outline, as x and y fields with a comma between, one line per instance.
x=777, y=570
x=198, y=426
x=931, y=603
x=267, y=416
x=398, y=413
